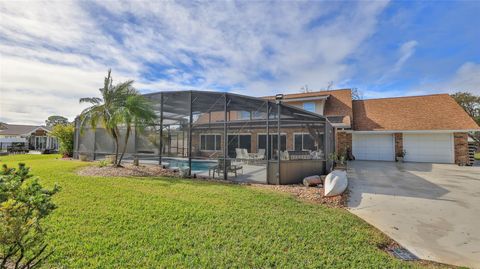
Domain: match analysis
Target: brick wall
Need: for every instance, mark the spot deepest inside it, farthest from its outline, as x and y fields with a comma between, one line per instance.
x=254, y=132
x=344, y=142
x=461, y=148
x=398, y=143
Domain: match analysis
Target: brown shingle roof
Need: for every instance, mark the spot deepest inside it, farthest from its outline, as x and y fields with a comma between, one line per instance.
x=430, y=112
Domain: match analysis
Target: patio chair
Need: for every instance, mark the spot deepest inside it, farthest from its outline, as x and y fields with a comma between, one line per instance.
x=248, y=155
x=260, y=155
x=284, y=155
x=219, y=168
x=243, y=155
x=239, y=154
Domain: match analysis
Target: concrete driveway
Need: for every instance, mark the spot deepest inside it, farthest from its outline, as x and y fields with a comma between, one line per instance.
x=433, y=210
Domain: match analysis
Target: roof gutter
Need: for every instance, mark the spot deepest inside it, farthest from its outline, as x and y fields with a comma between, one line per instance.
x=323, y=97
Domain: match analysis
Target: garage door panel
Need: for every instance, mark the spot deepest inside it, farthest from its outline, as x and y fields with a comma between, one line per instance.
x=435, y=148
x=375, y=147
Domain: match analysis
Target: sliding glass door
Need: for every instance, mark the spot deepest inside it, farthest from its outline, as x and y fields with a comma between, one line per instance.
x=40, y=142
x=238, y=141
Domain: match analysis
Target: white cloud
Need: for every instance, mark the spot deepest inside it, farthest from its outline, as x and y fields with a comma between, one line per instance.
x=406, y=51
x=52, y=53
x=466, y=78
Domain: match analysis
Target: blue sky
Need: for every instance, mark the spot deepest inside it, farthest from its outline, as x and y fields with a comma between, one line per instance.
x=53, y=53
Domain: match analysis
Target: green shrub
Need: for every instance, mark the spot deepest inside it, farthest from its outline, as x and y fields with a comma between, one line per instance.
x=65, y=134
x=103, y=163
x=23, y=204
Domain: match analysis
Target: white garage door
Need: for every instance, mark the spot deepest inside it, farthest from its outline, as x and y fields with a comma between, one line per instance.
x=375, y=147
x=432, y=148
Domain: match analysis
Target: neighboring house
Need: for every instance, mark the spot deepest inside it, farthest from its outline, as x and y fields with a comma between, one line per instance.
x=32, y=136
x=430, y=128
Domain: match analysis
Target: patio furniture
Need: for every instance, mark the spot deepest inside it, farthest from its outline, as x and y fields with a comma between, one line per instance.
x=219, y=168
x=260, y=155
x=243, y=155
x=240, y=154
x=284, y=156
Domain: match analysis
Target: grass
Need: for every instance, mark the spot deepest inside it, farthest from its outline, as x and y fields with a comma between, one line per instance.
x=477, y=156
x=153, y=223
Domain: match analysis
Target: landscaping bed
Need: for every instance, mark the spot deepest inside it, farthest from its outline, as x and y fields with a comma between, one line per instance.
x=128, y=170
x=309, y=194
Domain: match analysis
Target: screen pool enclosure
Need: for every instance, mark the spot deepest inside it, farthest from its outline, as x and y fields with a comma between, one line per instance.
x=223, y=135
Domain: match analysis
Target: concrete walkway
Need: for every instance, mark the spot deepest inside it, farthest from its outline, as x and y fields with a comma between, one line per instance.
x=433, y=210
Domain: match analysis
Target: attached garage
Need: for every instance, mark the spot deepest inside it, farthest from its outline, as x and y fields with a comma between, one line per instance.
x=432, y=147
x=374, y=147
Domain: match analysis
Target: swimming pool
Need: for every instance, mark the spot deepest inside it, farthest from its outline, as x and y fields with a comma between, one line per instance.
x=197, y=165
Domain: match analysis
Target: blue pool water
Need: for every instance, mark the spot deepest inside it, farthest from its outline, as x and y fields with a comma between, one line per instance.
x=197, y=165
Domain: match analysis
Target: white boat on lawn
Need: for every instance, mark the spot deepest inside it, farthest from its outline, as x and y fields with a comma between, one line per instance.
x=335, y=183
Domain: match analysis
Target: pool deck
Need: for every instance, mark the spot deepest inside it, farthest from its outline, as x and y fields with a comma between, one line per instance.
x=251, y=173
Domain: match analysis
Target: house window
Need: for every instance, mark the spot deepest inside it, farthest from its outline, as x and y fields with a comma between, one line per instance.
x=273, y=145
x=304, y=142
x=210, y=142
x=309, y=106
x=244, y=115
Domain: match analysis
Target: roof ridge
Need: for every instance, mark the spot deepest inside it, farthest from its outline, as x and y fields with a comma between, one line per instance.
x=320, y=91
x=400, y=97
x=312, y=92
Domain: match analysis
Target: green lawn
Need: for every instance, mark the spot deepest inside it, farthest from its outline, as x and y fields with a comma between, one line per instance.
x=152, y=223
x=477, y=156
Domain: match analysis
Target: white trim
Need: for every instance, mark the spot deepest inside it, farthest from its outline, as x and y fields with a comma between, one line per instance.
x=411, y=131
x=340, y=125
x=238, y=139
x=238, y=134
x=34, y=130
x=214, y=142
x=323, y=97
x=297, y=133
x=314, y=106
x=281, y=134
x=271, y=133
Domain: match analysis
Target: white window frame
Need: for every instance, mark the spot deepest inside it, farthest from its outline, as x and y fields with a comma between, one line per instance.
x=293, y=138
x=238, y=138
x=241, y=116
x=214, y=142
x=259, y=134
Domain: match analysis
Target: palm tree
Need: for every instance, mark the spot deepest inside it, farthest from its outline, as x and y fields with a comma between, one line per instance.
x=119, y=105
x=135, y=110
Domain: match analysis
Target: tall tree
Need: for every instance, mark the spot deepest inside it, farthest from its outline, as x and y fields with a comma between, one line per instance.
x=55, y=120
x=120, y=105
x=471, y=104
x=356, y=94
